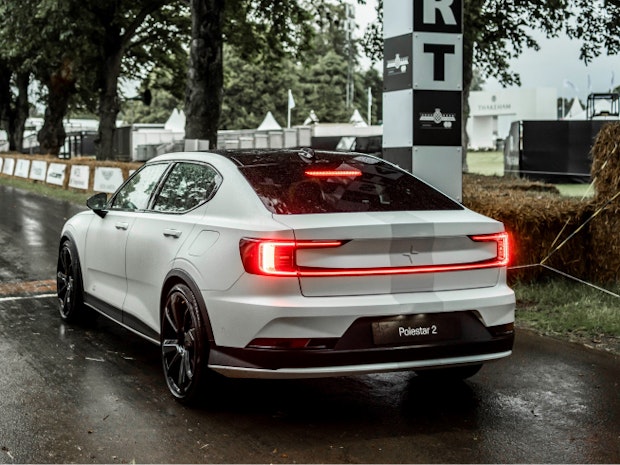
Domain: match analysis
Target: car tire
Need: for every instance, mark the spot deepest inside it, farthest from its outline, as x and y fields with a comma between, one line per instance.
x=449, y=374
x=184, y=345
x=69, y=284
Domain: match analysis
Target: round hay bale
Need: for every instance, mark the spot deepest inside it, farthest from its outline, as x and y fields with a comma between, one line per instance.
x=605, y=227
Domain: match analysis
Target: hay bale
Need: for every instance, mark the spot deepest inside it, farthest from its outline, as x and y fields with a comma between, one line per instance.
x=605, y=227
x=538, y=220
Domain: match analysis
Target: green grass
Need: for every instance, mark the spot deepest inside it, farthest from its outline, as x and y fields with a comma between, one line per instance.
x=569, y=309
x=492, y=164
x=46, y=190
x=486, y=163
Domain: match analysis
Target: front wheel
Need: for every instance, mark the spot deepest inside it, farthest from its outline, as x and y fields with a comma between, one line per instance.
x=69, y=283
x=184, y=345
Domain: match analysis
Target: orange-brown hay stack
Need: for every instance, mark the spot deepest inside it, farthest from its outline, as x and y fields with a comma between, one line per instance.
x=538, y=220
x=605, y=227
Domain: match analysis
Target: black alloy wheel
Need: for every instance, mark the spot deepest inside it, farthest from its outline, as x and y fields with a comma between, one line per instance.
x=184, y=347
x=69, y=283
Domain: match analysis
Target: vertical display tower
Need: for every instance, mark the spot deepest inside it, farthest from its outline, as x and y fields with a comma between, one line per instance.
x=423, y=90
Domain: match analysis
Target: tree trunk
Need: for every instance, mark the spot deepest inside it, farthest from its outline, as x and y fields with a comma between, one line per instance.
x=109, y=107
x=17, y=123
x=13, y=110
x=205, y=77
x=61, y=87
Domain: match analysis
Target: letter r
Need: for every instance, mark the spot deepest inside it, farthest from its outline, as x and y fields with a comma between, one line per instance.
x=444, y=7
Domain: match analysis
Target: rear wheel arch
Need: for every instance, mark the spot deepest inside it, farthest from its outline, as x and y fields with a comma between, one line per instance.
x=175, y=277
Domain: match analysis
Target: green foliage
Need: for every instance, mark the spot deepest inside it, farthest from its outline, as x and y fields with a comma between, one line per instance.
x=597, y=26
x=317, y=77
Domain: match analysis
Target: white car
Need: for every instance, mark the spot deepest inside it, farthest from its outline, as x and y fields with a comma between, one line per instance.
x=290, y=264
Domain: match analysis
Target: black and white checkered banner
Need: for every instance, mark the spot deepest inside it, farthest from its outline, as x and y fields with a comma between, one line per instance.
x=423, y=84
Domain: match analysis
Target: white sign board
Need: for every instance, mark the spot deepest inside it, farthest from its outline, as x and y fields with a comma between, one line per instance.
x=107, y=179
x=9, y=166
x=37, y=170
x=56, y=174
x=422, y=99
x=22, y=168
x=80, y=175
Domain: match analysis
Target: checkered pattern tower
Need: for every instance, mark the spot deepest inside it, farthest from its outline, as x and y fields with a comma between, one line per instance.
x=423, y=90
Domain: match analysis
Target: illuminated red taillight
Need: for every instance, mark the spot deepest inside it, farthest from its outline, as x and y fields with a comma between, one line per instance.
x=333, y=173
x=279, y=258
x=276, y=258
x=502, y=257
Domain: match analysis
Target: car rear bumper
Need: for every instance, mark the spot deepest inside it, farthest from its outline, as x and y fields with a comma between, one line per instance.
x=349, y=370
x=357, y=353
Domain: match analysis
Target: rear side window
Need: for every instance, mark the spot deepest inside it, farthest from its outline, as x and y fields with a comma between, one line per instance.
x=333, y=183
x=187, y=186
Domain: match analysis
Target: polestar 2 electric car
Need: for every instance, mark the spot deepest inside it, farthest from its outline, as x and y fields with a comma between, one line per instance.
x=290, y=264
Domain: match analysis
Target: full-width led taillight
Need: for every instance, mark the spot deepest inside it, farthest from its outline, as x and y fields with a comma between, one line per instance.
x=502, y=257
x=279, y=258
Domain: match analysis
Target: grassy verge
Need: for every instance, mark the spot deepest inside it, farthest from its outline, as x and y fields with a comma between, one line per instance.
x=570, y=310
x=492, y=164
x=46, y=190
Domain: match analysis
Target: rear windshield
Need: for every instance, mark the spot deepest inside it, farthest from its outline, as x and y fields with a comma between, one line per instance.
x=292, y=183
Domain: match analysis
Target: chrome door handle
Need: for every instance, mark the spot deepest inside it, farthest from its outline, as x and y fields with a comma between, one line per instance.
x=122, y=226
x=172, y=233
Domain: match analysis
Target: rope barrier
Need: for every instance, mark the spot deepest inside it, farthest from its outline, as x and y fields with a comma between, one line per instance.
x=573, y=234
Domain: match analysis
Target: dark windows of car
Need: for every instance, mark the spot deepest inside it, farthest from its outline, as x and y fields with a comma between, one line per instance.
x=328, y=182
x=187, y=186
x=135, y=194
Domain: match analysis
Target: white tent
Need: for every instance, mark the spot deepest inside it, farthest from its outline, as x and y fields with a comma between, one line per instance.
x=176, y=121
x=576, y=111
x=311, y=119
x=357, y=120
x=269, y=123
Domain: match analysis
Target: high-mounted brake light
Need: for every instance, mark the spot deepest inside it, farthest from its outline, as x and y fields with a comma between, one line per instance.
x=279, y=258
x=333, y=173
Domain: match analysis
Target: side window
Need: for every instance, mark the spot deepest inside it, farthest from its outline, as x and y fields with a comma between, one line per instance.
x=136, y=193
x=187, y=186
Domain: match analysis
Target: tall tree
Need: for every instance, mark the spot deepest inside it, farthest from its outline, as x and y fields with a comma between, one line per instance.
x=82, y=48
x=38, y=37
x=250, y=25
x=14, y=107
x=129, y=37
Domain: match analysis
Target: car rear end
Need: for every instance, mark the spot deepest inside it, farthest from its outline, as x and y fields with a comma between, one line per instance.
x=369, y=270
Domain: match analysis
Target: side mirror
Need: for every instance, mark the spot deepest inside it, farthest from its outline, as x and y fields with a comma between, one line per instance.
x=98, y=203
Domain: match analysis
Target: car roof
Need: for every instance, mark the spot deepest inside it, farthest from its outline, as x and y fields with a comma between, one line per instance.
x=254, y=157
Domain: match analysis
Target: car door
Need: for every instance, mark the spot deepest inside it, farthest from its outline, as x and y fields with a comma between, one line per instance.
x=105, y=278
x=158, y=234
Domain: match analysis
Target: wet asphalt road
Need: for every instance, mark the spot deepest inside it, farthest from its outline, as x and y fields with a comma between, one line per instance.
x=94, y=394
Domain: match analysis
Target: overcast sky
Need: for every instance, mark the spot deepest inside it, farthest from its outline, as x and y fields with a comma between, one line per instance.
x=556, y=62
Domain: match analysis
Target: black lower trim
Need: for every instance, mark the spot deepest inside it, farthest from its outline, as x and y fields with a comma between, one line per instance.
x=356, y=347
x=123, y=318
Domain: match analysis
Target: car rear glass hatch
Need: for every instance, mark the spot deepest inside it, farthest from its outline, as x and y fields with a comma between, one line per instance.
x=308, y=181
